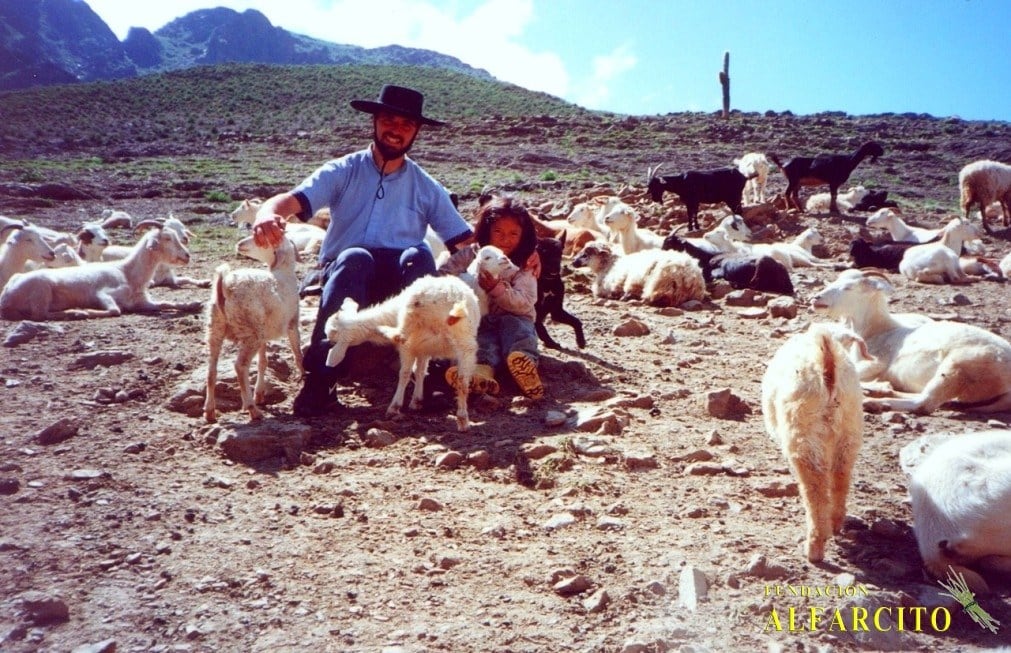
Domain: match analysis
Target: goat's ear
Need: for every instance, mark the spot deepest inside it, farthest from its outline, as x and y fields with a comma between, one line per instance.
x=85, y=236
x=561, y=240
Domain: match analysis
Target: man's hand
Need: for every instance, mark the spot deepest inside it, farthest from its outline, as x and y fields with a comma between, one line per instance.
x=268, y=232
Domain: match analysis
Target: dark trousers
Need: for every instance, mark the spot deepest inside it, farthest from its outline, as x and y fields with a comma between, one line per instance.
x=367, y=276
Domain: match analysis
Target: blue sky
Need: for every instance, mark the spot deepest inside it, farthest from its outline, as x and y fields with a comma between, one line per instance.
x=644, y=57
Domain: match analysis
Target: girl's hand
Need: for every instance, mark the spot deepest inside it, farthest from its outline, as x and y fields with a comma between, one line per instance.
x=486, y=280
x=534, y=265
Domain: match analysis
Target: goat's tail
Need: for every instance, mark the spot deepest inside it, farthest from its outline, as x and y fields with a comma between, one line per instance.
x=218, y=286
x=392, y=334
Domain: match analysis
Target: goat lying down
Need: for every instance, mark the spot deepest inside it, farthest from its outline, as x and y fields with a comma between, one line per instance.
x=922, y=364
x=960, y=486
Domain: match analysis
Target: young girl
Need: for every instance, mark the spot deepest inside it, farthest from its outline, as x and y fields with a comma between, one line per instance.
x=506, y=335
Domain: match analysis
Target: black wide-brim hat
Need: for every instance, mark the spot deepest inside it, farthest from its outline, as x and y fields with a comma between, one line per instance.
x=399, y=100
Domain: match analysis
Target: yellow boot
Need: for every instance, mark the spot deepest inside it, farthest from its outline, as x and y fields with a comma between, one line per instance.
x=483, y=381
x=524, y=371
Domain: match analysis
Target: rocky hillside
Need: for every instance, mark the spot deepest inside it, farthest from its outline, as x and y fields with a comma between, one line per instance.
x=64, y=41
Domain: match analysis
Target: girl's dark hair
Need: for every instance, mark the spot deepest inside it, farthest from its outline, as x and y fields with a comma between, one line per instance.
x=504, y=207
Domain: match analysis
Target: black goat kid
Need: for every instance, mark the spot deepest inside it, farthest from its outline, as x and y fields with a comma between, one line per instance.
x=551, y=293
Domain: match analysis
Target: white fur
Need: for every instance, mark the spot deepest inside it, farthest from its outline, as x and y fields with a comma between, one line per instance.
x=252, y=307
x=96, y=290
x=845, y=200
x=985, y=182
x=960, y=488
x=939, y=262
x=796, y=253
x=811, y=404
x=660, y=277
x=22, y=244
x=922, y=363
x=630, y=238
x=887, y=218
x=755, y=168
x=492, y=260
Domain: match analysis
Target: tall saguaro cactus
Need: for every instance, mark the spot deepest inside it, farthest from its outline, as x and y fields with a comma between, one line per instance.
x=725, y=83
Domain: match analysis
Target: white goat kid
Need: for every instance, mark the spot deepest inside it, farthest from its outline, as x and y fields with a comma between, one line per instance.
x=922, y=363
x=251, y=307
x=901, y=232
x=938, y=262
x=811, y=404
x=435, y=317
x=105, y=289
x=630, y=238
x=960, y=486
x=23, y=245
x=492, y=261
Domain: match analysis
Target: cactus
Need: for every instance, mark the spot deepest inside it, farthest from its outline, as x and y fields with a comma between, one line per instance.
x=725, y=83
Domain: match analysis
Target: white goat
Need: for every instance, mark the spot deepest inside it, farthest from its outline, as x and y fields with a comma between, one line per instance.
x=811, y=404
x=65, y=257
x=923, y=363
x=630, y=238
x=1005, y=266
x=164, y=275
x=435, y=317
x=307, y=237
x=660, y=277
x=982, y=183
x=251, y=307
x=489, y=260
x=733, y=227
x=796, y=253
x=23, y=245
x=590, y=215
x=960, y=488
x=92, y=241
x=98, y=289
x=901, y=232
x=938, y=262
x=755, y=168
x=845, y=200
x=116, y=219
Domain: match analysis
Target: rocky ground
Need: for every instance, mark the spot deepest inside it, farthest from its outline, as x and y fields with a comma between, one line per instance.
x=640, y=507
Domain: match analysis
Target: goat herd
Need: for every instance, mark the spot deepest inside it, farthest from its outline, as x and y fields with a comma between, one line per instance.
x=813, y=392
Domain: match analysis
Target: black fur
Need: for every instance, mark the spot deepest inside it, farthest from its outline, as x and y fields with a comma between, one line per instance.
x=551, y=293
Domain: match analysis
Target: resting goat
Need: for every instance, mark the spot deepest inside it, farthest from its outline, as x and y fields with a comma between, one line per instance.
x=659, y=277
x=939, y=262
x=762, y=273
x=23, y=244
x=960, y=488
x=251, y=307
x=831, y=169
x=105, y=289
x=811, y=406
x=695, y=187
x=924, y=364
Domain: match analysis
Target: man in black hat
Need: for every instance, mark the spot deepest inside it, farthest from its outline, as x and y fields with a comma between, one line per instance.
x=381, y=203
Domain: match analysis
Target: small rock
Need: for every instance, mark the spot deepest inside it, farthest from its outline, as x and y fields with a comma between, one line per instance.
x=105, y=646
x=610, y=524
x=449, y=460
x=429, y=505
x=555, y=418
x=59, y=431
x=538, y=450
x=777, y=489
x=42, y=609
x=704, y=469
x=634, y=646
x=959, y=299
x=9, y=486
x=692, y=588
x=784, y=307
x=759, y=567
x=573, y=585
x=698, y=456
x=597, y=601
x=378, y=438
x=480, y=459
x=635, y=460
x=560, y=521
x=724, y=404
x=631, y=328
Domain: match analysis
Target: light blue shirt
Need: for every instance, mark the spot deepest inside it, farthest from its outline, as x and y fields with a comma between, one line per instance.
x=361, y=216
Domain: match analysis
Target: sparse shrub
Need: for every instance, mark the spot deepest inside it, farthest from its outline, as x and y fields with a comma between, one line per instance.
x=549, y=175
x=217, y=196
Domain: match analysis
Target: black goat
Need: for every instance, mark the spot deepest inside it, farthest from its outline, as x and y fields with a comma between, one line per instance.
x=874, y=200
x=551, y=293
x=762, y=273
x=885, y=256
x=831, y=169
x=699, y=186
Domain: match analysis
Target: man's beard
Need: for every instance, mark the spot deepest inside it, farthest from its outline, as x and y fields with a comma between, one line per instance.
x=389, y=152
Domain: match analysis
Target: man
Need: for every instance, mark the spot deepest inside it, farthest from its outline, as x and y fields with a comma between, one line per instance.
x=381, y=203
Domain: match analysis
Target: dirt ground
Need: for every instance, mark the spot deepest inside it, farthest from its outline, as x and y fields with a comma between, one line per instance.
x=620, y=514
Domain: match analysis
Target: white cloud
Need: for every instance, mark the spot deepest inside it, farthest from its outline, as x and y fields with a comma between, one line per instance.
x=596, y=92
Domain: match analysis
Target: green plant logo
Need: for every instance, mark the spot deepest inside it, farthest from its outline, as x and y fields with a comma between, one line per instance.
x=959, y=590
